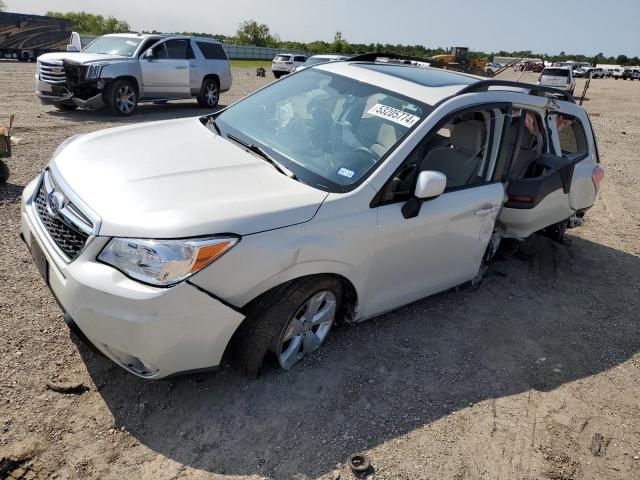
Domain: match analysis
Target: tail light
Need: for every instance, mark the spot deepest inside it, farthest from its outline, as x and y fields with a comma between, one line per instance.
x=519, y=198
x=289, y=63
x=597, y=176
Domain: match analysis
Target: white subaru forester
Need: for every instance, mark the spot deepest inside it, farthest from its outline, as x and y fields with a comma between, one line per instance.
x=345, y=191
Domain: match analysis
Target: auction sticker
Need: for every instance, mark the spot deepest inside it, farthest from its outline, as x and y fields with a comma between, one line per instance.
x=398, y=116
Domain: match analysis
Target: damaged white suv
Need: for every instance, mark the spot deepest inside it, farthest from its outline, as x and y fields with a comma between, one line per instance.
x=340, y=193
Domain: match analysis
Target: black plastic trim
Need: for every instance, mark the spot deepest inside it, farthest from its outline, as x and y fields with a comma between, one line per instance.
x=484, y=85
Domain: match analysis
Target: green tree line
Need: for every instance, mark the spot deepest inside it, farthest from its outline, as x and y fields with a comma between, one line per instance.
x=90, y=24
x=251, y=32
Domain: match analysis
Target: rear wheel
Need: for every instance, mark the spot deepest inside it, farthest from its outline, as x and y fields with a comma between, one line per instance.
x=209, y=93
x=122, y=97
x=277, y=74
x=291, y=322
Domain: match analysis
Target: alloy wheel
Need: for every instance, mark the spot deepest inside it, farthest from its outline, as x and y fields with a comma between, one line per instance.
x=307, y=329
x=211, y=94
x=126, y=99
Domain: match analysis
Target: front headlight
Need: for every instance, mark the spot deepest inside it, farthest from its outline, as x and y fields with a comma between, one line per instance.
x=163, y=263
x=94, y=70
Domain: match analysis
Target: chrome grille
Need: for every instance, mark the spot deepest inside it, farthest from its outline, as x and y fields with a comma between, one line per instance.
x=52, y=73
x=69, y=240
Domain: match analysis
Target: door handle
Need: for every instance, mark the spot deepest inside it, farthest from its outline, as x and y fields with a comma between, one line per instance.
x=483, y=212
x=181, y=67
x=193, y=65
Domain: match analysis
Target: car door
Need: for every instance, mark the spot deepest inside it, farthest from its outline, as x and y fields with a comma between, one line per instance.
x=444, y=244
x=551, y=186
x=165, y=73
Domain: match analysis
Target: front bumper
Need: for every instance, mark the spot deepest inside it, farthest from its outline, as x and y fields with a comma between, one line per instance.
x=50, y=94
x=151, y=332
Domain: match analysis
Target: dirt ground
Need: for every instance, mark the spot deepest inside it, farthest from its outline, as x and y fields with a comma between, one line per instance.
x=534, y=375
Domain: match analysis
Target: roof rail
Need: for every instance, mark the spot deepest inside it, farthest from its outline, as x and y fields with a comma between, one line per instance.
x=484, y=85
x=372, y=57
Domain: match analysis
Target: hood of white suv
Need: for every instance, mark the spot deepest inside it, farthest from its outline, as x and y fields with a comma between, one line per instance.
x=80, y=57
x=177, y=178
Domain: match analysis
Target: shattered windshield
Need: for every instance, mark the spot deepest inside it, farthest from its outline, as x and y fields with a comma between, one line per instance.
x=329, y=130
x=123, y=46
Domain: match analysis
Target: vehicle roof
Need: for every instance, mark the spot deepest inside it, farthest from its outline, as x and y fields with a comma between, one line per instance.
x=328, y=55
x=159, y=35
x=429, y=85
x=563, y=68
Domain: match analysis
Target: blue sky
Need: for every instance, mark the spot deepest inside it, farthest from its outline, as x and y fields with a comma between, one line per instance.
x=548, y=26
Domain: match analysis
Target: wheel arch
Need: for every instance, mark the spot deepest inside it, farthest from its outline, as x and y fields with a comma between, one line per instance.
x=215, y=76
x=131, y=79
x=346, y=311
x=348, y=305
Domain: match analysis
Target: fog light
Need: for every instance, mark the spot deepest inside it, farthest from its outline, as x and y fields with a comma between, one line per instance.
x=130, y=362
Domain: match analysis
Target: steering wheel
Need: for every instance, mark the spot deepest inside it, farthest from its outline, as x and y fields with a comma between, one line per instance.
x=373, y=157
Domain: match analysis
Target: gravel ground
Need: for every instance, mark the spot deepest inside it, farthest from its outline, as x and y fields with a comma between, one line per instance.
x=523, y=378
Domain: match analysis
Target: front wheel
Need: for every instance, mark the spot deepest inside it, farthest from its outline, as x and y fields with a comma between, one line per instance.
x=4, y=172
x=291, y=322
x=122, y=97
x=209, y=93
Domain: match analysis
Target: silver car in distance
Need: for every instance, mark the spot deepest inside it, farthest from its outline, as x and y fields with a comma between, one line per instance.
x=342, y=192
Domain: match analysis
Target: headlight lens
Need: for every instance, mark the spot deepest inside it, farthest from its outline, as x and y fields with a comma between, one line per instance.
x=163, y=263
x=94, y=70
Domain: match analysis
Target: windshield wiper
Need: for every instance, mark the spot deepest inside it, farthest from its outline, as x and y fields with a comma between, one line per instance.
x=212, y=121
x=264, y=155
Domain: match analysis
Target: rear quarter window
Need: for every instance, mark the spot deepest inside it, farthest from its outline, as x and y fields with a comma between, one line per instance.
x=573, y=139
x=212, y=51
x=299, y=59
x=556, y=72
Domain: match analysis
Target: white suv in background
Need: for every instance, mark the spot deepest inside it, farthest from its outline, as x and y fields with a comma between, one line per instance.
x=558, y=77
x=285, y=63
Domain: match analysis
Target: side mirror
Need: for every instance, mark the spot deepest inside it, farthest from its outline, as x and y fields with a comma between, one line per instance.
x=149, y=55
x=430, y=184
x=72, y=48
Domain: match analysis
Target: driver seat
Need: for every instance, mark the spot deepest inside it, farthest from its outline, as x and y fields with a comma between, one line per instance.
x=461, y=160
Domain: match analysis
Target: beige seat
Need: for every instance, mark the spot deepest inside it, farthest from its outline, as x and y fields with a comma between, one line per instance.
x=386, y=139
x=461, y=160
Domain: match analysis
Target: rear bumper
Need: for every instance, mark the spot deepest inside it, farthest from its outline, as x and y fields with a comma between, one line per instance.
x=151, y=332
x=282, y=68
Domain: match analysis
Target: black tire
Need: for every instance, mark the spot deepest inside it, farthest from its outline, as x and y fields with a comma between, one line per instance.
x=209, y=93
x=66, y=107
x=277, y=74
x=122, y=97
x=270, y=314
x=4, y=172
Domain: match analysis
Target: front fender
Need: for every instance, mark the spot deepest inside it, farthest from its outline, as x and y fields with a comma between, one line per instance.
x=340, y=246
x=113, y=71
